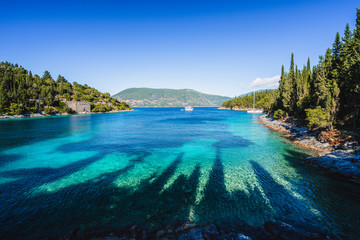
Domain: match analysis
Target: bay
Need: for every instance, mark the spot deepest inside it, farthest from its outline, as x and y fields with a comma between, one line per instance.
x=159, y=165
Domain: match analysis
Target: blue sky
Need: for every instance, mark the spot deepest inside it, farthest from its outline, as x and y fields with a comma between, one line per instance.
x=217, y=47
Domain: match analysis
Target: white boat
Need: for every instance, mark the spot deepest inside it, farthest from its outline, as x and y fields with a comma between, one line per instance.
x=254, y=110
x=188, y=108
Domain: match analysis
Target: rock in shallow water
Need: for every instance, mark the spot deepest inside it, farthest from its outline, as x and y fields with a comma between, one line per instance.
x=239, y=236
x=281, y=230
x=210, y=232
x=341, y=162
x=194, y=234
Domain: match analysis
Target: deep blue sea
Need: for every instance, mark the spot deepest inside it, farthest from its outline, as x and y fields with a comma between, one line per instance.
x=153, y=166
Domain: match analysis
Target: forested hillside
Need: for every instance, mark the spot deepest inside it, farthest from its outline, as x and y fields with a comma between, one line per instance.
x=21, y=92
x=263, y=99
x=153, y=97
x=329, y=92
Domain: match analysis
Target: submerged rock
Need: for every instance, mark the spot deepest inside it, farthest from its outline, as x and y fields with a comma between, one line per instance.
x=210, y=232
x=271, y=230
x=345, y=163
x=185, y=227
x=194, y=234
x=282, y=230
x=239, y=236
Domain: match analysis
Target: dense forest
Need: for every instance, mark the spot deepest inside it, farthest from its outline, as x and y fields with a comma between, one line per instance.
x=327, y=94
x=21, y=93
x=324, y=95
x=263, y=99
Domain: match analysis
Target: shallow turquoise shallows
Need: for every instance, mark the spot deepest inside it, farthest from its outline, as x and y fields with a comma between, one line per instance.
x=159, y=165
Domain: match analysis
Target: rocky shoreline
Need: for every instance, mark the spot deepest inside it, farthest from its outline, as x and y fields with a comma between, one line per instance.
x=342, y=159
x=236, y=108
x=271, y=230
x=36, y=115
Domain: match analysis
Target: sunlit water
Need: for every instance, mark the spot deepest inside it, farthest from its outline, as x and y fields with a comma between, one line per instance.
x=159, y=165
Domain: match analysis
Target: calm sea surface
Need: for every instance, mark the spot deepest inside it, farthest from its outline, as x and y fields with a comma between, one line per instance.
x=158, y=165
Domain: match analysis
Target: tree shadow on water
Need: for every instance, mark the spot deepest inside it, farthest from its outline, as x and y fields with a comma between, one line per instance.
x=101, y=205
x=334, y=196
x=232, y=210
x=287, y=207
x=8, y=158
x=150, y=204
x=21, y=204
x=31, y=178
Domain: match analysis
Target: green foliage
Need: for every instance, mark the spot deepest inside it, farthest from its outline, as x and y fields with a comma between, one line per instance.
x=63, y=108
x=331, y=89
x=263, y=99
x=21, y=92
x=101, y=108
x=318, y=118
x=17, y=109
x=105, y=107
x=150, y=97
x=46, y=75
x=49, y=111
x=278, y=114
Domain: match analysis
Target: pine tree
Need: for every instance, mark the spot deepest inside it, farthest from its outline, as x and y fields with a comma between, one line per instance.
x=357, y=25
x=349, y=73
x=320, y=89
x=347, y=33
x=46, y=75
x=355, y=71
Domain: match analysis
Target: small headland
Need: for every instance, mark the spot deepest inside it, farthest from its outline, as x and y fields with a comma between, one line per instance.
x=337, y=151
x=43, y=114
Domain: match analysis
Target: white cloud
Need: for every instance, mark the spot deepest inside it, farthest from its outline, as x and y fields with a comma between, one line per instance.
x=272, y=82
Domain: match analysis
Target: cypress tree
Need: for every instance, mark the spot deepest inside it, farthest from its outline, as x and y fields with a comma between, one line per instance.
x=308, y=78
x=308, y=66
x=336, y=47
x=292, y=83
x=286, y=93
x=281, y=86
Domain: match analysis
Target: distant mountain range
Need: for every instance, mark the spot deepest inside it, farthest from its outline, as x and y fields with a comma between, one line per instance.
x=152, y=97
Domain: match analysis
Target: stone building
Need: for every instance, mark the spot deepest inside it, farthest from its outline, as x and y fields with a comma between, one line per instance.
x=79, y=106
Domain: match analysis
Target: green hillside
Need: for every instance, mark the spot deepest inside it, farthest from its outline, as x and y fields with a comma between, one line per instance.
x=263, y=99
x=22, y=93
x=151, y=97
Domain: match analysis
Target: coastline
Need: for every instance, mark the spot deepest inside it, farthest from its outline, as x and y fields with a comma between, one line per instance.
x=342, y=159
x=40, y=115
x=233, y=109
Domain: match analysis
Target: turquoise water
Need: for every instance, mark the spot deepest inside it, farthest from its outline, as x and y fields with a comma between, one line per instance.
x=159, y=165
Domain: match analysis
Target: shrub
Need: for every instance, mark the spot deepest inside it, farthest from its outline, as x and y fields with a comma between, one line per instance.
x=100, y=108
x=317, y=118
x=68, y=110
x=49, y=110
x=16, y=109
x=279, y=114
